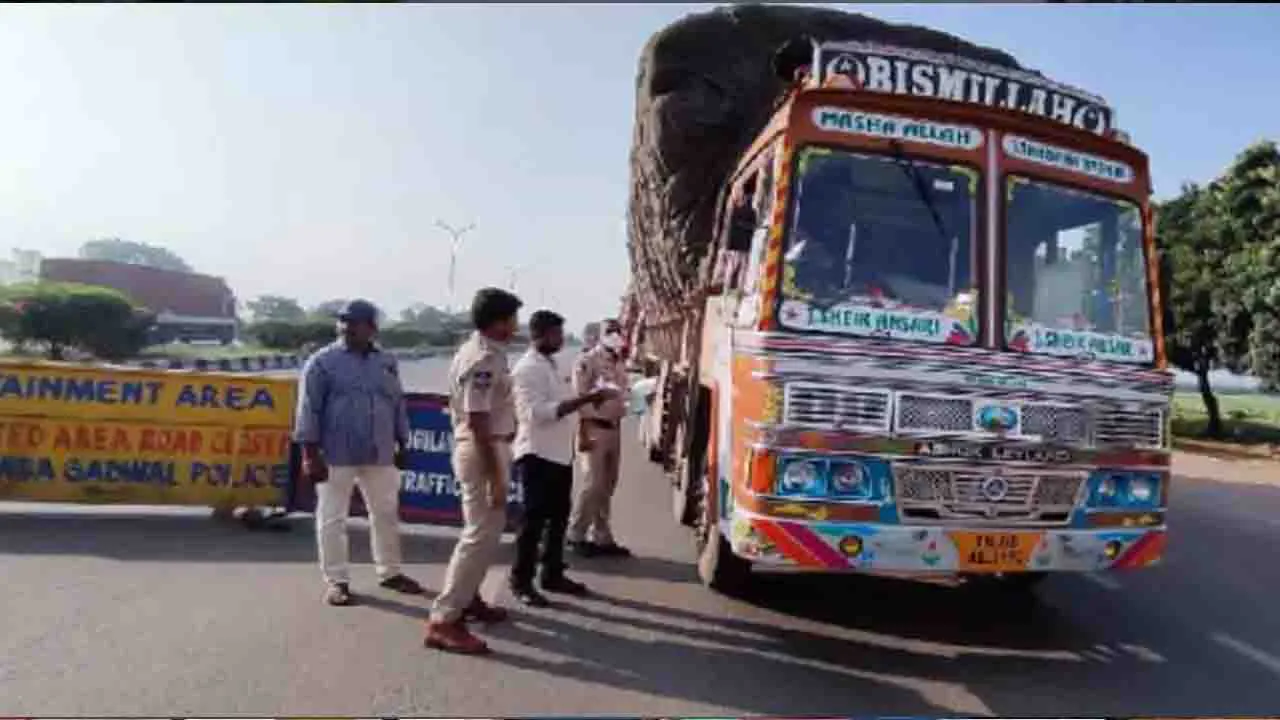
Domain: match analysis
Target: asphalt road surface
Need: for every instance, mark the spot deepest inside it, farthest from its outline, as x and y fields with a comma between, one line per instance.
x=164, y=613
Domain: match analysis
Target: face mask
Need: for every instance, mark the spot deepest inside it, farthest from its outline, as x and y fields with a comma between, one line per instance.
x=612, y=341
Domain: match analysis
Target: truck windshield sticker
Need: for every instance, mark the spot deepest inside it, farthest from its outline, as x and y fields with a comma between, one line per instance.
x=1033, y=338
x=893, y=127
x=904, y=71
x=1069, y=160
x=871, y=321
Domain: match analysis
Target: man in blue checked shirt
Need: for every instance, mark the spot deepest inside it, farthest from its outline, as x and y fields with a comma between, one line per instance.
x=354, y=429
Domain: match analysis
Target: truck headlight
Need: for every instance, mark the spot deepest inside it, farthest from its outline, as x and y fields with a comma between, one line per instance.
x=800, y=477
x=850, y=479
x=1142, y=490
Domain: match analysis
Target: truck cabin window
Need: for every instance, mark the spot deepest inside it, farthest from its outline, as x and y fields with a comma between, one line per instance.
x=886, y=232
x=1076, y=274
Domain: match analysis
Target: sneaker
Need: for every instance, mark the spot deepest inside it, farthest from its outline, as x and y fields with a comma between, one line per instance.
x=402, y=583
x=339, y=595
x=564, y=586
x=453, y=637
x=613, y=550
x=481, y=611
x=584, y=548
x=528, y=595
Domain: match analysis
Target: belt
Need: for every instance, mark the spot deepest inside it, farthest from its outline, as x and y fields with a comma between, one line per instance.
x=605, y=424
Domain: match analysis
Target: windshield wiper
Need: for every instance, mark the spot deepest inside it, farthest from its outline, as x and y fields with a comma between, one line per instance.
x=913, y=174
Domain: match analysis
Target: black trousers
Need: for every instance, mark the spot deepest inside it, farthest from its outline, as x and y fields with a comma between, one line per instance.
x=548, y=489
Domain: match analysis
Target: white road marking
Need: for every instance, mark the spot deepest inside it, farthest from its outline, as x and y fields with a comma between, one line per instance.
x=1143, y=653
x=1262, y=657
x=1103, y=581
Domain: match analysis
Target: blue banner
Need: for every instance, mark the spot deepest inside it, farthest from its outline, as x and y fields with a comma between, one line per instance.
x=429, y=493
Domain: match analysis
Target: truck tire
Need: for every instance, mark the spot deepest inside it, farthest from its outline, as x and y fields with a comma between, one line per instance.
x=720, y=569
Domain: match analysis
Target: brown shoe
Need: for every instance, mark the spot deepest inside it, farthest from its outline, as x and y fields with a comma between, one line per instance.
x=481, y=611
x=453, y=637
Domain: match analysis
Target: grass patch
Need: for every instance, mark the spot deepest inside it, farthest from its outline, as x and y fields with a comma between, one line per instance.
x=1250, y=419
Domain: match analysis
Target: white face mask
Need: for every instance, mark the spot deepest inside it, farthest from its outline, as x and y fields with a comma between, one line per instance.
x=612, y=341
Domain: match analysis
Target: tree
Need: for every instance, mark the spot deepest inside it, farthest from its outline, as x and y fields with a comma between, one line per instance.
x=63, y=316
x=266, y=308
x=1189, y=252
x=327, y=310
x=289, y=336
x=133, y=253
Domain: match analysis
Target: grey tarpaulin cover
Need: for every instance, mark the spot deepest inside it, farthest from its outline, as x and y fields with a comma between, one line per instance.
x=705, y=86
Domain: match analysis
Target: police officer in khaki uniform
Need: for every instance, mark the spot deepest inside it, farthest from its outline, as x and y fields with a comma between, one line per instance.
x=599, y=445
x=482, y=410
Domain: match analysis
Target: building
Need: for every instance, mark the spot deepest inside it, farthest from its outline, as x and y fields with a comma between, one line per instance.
x=23, y=266
x=188, y=306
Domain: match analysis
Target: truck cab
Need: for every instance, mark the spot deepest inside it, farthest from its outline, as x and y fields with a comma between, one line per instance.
x=930, y=335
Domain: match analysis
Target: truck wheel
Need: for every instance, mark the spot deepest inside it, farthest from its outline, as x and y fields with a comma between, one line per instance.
x=718, y=567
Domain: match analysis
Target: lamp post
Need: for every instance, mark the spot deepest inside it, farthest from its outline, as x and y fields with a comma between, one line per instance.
x=455, y=243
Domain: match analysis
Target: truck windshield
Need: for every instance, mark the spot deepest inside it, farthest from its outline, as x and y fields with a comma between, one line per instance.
x=882, y=247
x=1076, y=274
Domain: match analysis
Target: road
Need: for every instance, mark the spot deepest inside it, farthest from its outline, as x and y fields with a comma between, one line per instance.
x=166, y=613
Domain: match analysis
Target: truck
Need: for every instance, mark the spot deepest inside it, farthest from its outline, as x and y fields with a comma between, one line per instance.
x=922, y=336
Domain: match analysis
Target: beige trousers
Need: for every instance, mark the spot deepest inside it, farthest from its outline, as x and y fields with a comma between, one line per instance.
x=598, y=478
x=482, y=527
x=380, y=486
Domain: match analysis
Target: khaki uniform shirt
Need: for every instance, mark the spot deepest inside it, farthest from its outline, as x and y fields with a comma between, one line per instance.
x=593, y=367
x=480, y=382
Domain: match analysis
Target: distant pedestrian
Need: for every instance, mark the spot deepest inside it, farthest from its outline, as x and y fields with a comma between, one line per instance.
x=599, y=445
x=483, y=414
x=545, y=404
x=354, y=429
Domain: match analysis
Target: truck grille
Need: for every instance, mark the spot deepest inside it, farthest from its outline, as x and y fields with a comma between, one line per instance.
x=931, y=413
x=1055, y=423
x=1141, y=428
x=938, y=495
x=834, y=406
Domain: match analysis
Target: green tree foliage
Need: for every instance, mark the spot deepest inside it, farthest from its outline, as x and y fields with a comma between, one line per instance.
x=1220, y=255
x=327, y=310
x=58, y=317
x=133, y=253
x=291, y=336
x=267, y=308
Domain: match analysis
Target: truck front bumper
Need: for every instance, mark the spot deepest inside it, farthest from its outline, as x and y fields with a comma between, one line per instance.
x=843, y=546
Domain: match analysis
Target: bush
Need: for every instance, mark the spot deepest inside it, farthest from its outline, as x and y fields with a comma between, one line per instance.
x=403, y=336
x=288, y=336
x=63, y=316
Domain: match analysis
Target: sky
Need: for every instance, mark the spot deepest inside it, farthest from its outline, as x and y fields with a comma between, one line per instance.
x=309, y=150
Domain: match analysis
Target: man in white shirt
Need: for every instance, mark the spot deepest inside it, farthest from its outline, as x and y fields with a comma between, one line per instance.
x=544, y=459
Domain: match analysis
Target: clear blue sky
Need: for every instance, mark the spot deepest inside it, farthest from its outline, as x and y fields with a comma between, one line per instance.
x=308, y=150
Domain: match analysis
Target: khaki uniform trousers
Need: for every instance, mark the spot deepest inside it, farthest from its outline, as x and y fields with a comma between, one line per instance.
x=481, y=531
x=598, y=470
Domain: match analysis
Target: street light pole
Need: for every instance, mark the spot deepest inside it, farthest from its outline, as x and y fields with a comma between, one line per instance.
x=455, y=243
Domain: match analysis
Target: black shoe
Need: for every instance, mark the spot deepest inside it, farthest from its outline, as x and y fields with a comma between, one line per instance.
x=585, y=549
x=526, y=594
x=612, y=550
x=564, y=586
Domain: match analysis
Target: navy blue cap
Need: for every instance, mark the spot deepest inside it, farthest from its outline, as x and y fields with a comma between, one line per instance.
x=359, y=311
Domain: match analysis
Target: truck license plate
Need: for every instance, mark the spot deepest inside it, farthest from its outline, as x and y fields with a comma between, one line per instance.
x=994, y=552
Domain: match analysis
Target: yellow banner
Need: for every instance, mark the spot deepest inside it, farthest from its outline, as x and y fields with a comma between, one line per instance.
x=149, y=437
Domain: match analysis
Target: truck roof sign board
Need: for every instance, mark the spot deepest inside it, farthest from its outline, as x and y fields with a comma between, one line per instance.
x=903, y=71
x=1069, y=160
x=892, y=127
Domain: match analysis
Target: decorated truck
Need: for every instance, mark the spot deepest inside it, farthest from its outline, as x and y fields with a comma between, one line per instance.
x=922, y=335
